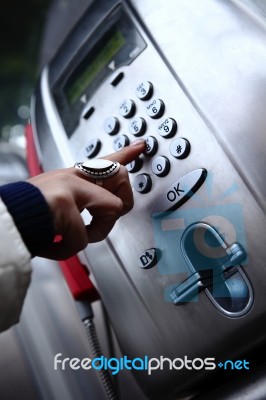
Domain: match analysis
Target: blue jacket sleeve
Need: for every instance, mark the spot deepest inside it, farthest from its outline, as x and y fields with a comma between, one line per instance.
x=31, y=214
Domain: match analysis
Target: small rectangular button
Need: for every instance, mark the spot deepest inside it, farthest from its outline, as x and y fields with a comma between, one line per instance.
x=117, y=79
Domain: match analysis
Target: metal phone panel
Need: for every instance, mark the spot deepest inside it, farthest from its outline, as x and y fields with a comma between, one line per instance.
x=210, y=115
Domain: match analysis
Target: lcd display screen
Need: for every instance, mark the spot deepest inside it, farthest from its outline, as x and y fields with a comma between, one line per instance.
x=94, y=67
x=114, y=43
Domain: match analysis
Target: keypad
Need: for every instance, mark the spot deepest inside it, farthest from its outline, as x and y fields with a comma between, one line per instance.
x=149, y=107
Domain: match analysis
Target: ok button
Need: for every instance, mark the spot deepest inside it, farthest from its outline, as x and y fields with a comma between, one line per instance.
x=179, y=192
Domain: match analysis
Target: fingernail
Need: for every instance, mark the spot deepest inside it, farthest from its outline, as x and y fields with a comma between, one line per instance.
x=137, y=142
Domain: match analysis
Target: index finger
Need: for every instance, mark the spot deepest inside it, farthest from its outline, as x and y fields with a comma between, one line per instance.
x=128, y=153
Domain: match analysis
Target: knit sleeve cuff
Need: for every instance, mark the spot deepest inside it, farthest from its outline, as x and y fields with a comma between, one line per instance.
x=31, y=214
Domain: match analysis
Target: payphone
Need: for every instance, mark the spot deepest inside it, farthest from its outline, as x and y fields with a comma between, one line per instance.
x=182, y=275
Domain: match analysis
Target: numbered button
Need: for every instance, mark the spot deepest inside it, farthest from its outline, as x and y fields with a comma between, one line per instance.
x=151, y=146
x=120, y=142
x=111, y=125
x=180, y=148
x=144, y=90
x=135, y=165
x=160, y=166
x=127, y=108
x=137, y=126
x=142, y=183
x=167, y=127
x=92, y=148
x=155, y=108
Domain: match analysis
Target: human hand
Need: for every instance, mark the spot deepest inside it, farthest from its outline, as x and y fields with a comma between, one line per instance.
x=68, y=193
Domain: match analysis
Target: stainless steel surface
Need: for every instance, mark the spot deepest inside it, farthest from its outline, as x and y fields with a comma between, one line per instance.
x=216, y=50
x=205, y=60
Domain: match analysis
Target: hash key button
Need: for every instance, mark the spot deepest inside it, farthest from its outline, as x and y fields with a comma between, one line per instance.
x=180, y=148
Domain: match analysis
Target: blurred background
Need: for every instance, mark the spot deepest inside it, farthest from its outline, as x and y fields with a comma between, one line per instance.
x=31, y=32
x=21, y=25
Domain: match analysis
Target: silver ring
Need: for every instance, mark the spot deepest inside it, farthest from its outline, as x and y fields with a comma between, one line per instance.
x=98, y=169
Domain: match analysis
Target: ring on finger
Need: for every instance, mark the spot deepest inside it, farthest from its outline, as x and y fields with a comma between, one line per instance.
x=98, y=169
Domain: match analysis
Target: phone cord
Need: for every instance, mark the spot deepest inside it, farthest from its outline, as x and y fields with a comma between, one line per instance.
x=106, y=380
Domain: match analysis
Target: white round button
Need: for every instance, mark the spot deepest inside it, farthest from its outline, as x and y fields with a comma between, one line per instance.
x=137, y=126
x=92, y=148
x=144, y=90
x=120, y=142
x=142, y=183
x=111, y=125
x=135, y=165
x=180, y=148
x=127, y=108
x=151, y=146
x=160, y=166
x=167, y=127
x=155, y=108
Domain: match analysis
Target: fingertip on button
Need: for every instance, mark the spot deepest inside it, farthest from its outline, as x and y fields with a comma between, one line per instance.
x=151, y=146
x=120, y=142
